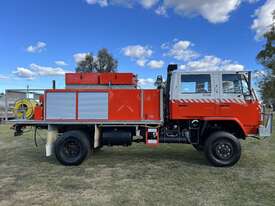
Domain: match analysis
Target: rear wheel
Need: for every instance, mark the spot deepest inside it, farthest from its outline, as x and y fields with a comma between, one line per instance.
x=72, y=148
x=222, y=149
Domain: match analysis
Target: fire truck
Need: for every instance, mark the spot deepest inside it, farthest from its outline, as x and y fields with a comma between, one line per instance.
x=213, y=111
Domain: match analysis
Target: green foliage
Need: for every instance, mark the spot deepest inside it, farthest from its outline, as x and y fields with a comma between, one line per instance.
x=267, y=89
x=267, y=58
x=104, y=62
x=86, y=65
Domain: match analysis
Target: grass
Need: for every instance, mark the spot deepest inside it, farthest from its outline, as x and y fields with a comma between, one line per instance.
x=137, y=175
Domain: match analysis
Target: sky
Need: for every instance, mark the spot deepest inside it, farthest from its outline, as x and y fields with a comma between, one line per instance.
x=42, y=40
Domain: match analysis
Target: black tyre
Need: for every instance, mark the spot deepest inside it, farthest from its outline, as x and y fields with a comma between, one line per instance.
x=72, y=148
x=222, y=149
x=198, y=147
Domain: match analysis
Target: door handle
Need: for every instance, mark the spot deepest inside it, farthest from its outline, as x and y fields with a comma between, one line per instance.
x=183, y=105
x=224, y=105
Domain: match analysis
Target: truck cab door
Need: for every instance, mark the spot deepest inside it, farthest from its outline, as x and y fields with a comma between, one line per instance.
x=192, y=95
x=231, y=93
x=237, y=101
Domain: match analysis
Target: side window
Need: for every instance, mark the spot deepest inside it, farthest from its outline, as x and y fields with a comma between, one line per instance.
x=231, y=83
x=200, y=83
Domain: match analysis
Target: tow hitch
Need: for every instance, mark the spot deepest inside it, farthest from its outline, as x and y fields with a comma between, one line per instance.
x=17, y=130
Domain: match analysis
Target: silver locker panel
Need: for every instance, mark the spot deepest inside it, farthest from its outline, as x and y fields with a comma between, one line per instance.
x=61, y=105
x=92, y=105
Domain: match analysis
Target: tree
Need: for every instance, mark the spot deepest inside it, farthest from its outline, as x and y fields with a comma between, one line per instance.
x=267, y=58
x=103, y=62
x=86, y=65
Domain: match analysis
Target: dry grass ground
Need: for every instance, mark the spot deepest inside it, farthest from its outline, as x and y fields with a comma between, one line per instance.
x=168, y=175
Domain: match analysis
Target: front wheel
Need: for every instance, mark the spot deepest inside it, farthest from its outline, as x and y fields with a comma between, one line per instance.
x=222, y=149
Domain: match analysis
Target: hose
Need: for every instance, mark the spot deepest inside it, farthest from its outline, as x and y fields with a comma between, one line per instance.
x=24, y=108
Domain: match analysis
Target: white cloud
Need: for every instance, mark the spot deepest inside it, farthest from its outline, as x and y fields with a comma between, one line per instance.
x=37, y=48
x=141, y=62
x=263, y=20
x=181, y=51
x=78, y=57
x=165, y=45
x=3, y=77
x=35, y=70
x=60, y=63
x=154, y=64
x=102, y=3
x=24, y=73
x=161, y=10
x=137, y=51
x=47, y=71
x=146, y=82
x=212, y=63
x=215, y=11
x=148, y=3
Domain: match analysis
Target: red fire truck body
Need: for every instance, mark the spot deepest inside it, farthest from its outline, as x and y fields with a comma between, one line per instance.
x=210, y=110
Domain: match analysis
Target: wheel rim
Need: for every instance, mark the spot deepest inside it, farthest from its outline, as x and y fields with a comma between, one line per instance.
x=71, y=148
x=223, y=150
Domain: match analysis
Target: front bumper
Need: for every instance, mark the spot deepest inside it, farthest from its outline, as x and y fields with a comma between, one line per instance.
x=265, y=130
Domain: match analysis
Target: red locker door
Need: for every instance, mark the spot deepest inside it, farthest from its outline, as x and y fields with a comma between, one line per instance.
x=124, y=105
x=151, y=104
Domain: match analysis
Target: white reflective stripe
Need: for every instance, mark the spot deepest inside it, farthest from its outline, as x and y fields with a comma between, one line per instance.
x=239, y=101
x=242, y=101
x=217, y=101
x=225, y=100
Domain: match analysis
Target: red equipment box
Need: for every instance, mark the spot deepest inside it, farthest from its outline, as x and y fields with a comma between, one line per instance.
x=82, y=78
x=100, y=79
x=38, y=113
x=117, y=78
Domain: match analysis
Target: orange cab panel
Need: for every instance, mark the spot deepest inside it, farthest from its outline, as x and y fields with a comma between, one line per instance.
x=185, y=109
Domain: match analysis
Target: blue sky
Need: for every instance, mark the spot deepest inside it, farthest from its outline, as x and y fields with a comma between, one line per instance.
x=41, y=40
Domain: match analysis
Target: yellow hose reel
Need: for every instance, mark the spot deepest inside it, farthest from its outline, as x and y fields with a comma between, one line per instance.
x=24, y=108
